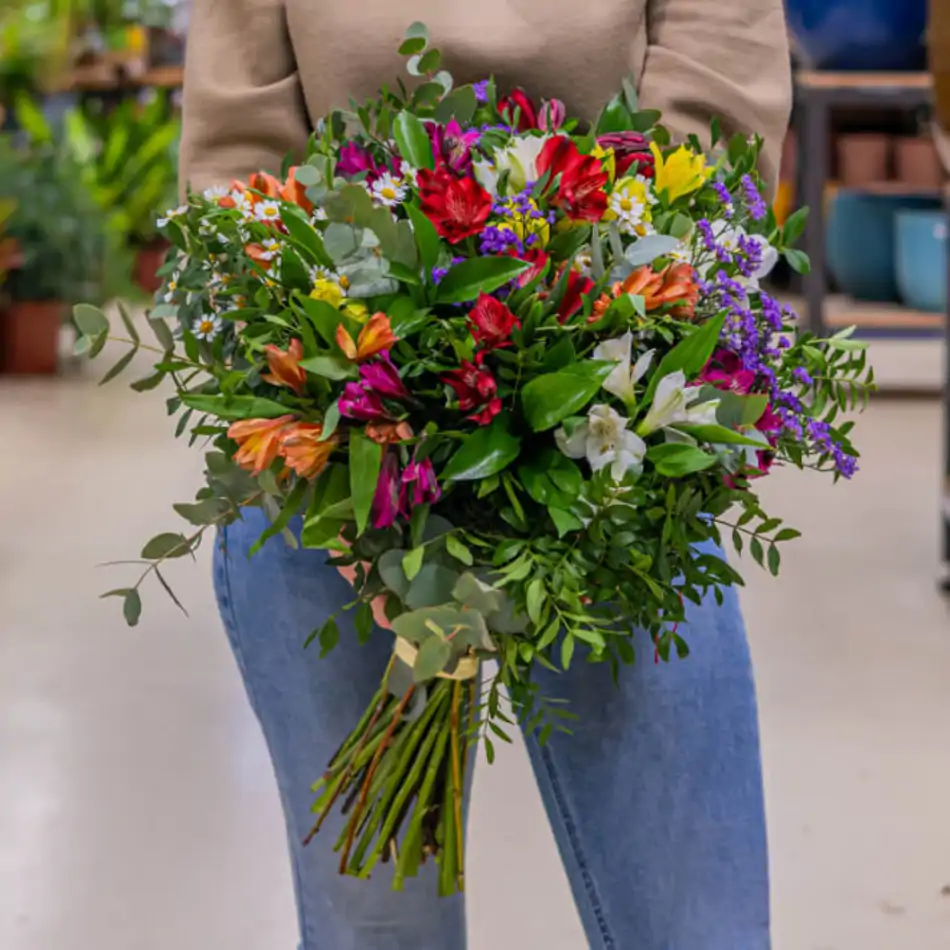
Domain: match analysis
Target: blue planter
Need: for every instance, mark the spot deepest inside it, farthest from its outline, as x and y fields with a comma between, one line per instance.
x=861, y=242
x=859, y=34
x=922, y=259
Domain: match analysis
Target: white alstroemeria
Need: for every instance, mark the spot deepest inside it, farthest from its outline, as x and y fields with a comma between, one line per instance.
x=604, y=439
x=728, y=235
x=520, y=160
x=624, y=377
x=673, y=402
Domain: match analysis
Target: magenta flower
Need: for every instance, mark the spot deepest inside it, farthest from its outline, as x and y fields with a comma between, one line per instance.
x=358, y=402
x=725, y=371
x=354, y=160
x=451, y=146
x=769, y=421
x=385, y=509
x=382, y=377
x=419, y=486
x=552, y=115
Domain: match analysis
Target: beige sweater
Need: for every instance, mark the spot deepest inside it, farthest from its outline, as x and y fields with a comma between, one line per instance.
x=259, y=72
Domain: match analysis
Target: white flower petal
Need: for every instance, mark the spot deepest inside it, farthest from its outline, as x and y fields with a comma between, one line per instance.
x=575, y=445
x=642, y=365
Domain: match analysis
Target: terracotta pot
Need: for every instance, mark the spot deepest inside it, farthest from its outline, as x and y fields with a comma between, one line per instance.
x=863, y=158
x=29, y=336
x=917, y=163
x=147, y=262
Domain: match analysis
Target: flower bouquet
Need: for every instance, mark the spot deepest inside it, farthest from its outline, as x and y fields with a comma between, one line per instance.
x=511, y=372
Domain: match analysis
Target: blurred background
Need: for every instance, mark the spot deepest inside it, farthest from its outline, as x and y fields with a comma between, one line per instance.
x=137, y=808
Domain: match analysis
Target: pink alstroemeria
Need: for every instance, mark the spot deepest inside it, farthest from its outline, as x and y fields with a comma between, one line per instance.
x=385, y=509
x=552, y=115
x=362, y=404
x=382, y=377
x=725, y=371
x=354, y=160
x=451, y=146
x=419, y=486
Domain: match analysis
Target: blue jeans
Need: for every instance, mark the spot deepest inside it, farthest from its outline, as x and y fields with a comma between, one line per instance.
x=656, y=800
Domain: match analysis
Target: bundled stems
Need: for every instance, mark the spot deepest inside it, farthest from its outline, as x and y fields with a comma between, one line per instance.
x=401, y=780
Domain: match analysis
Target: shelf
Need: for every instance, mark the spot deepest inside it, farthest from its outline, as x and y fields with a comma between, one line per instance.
x=97, y=79
x=841, y=311
x=818, y=79
x=888, y=188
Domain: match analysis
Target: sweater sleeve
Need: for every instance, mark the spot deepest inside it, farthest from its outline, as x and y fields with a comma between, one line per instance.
x=243, y=105
x=726, y=58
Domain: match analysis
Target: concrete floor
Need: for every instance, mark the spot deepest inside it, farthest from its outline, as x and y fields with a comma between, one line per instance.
x=137, y=810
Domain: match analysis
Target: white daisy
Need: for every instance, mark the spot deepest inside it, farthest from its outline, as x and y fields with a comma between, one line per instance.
x=388, y=190
x=320, y=214
x=408, y=173
x=271, y=249
x=584, y=262
x=171, y=215
x=171, y=289
x=267, y=211
x=208, y=327
x=321, y=273
x=215, y=193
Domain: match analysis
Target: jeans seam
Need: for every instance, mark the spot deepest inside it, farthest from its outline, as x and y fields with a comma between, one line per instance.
x=229, y=618
x=570, y=828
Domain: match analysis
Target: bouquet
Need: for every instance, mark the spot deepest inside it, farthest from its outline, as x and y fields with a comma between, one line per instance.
x=510, y=372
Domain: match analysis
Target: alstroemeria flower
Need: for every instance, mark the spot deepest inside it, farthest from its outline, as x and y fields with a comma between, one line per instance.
x=285, y=369
x=629, y=147
x=386, y=433
x=491, y=322
x=520, y=160
x=534, y=256
x=419, y=485
x=362, y=404
x=623, y=379
x=385, y=509
x=581, y=179
x=295, y=193
x=552, y=115
x=675, y=286
x=381, y=376
x=375, y=336
x=452, y=146
x=354, y=160
x=475, y=386
x=458, y=207
x=259, y=442
x=305, y=450
x=519, y=102
x=266, y=184
x=675, y=402
x=603, y=440
x=725, y=371
x=577, y=286
x=680, y=172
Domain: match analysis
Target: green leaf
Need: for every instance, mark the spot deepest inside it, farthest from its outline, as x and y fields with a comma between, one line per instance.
x=535, y=597
x=119, y=367
x=206, y=512
x=130, y=327
x=564, y=521
x=235, y=407
x=798, y=261
x=430, y=61
x=549, y=399
x=718, y=435
x=567, y=650
x=391, y=571
x=434, y=655
x=487, y=451
x=363, y=621
x=164, y=546
x=330, y=366
x=412, y=562
x=734, y=410
x=689, y=355
x=460, y=105
x=290, y=506
x=412, y=46
x=787, y=534
x=427, y=239
x=366, y=458
x=794, y=226
x=325, y=319
x=459, y=550
x=615, y=117
x=306, y=239
x=132, y=606
x=755, y=549
x=675, y=460
x=774, y=560
x=413, y=141
x=90, y=320
x=329, y=636
x=476, y=595
x=477, y=275
x=149, y=383
x=432, y=586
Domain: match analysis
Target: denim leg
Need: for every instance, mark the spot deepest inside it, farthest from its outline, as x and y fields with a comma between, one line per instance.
x=306, y=706
x=656, y=800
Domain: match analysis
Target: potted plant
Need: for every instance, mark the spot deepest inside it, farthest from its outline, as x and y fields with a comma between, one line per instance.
x=62, y=249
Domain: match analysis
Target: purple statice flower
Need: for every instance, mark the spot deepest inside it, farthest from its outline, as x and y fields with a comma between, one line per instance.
x=749, y=258
x=725, y=198
x=710, y=243
x=438, y=274
x=754, y=202
x=481, y=91
x=820, y=434
x=496, y=241
x=801, y=375
x=495, y=127
x=772, y=311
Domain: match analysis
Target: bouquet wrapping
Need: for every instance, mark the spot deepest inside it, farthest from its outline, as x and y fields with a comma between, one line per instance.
x=510, y=372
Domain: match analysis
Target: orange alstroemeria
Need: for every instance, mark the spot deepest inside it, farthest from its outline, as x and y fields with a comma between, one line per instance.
x=296, y=193
x=674, y=285
x=304, y=452
x=285, y=368
x=260, y=255
x=259, y=442
x=377, y=335
x=385, y=433
x=266, y=184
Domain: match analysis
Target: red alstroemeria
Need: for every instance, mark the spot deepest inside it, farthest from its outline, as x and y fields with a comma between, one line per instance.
x=491, y=322
x=476, y=388
x=629, y=147
x=458, y=207
x=519, y=102
x=582, y=179
x=534, y=256
x=577, y=286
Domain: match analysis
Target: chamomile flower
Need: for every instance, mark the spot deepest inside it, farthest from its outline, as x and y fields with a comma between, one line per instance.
x=208, y=327
x=215, y=193
x=408, y=173
x=317, y=272
x=171, y=288
x=267, y=211
x=584, y=262
x=630, y=206
x=171, y=215
x=271, y=249
x=320, y=214
x=388, y=190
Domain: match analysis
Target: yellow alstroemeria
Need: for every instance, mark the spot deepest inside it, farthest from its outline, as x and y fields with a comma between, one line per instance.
x=609, y=157
x=329, y=291
x=681, y=172
x=357, y=310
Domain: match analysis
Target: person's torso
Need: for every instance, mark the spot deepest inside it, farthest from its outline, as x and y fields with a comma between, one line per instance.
x=578, y=51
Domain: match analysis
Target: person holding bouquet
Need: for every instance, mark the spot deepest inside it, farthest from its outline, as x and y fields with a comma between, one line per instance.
x=656, y=800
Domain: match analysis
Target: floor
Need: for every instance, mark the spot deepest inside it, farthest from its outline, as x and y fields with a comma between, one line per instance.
x=137, y=810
